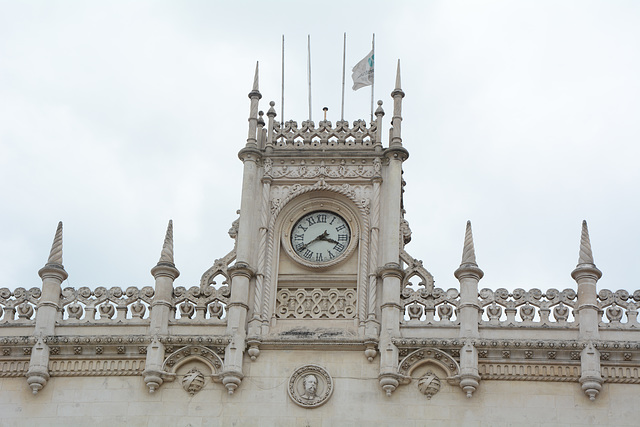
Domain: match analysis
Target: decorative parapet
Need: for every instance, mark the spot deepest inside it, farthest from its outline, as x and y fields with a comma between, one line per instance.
x=529, y=308
x=325, y=136
x=316, y=303
x=424, y=304
x=100, y=305
x=19, y=307
x=620, y=309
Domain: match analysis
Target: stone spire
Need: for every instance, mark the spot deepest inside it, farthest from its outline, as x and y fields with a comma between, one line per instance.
x=54, y=263
x=55, y=256
x=468, y=251
x=166, y=256
x=468, y=265
x=255, y=91
x=166, y=265
x=254, y=96
x=398, y=87
x=586, y=256
x=396, y=120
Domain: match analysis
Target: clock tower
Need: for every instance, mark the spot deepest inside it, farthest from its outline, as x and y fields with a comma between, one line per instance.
x=319, y=238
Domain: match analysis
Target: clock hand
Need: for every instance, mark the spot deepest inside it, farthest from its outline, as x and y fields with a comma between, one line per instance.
x=322, y=236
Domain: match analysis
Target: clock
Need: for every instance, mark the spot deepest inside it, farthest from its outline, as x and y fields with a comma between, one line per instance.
x=321, y=237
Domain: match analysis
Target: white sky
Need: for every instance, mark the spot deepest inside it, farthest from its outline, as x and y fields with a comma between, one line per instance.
x=520, y=116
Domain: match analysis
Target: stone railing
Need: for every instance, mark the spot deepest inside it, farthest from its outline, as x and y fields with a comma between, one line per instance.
x=200, y=303
x=620, y=309
x=100, y=305
x=316, y=303
x=325, y=136
x=523, y=308
x=422, y=302
x=19, y=306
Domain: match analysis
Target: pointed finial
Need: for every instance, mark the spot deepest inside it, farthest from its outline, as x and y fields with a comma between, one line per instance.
x=54, y=263
x=468, y=266
x=586, y=256
x=468, y=252
x=166, y=257
x=55, y=256
x=255, y=78
x=398, y=88
x=255, y=91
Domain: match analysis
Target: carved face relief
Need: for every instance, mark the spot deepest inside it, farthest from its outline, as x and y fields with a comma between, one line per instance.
x=310, y=386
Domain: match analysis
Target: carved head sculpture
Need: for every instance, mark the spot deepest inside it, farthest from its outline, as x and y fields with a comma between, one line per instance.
x=310, y=383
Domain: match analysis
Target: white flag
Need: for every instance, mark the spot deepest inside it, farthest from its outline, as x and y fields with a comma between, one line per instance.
x=362, y=73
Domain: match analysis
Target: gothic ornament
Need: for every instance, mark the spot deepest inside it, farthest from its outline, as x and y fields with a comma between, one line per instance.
x=193, y=381
x=310, y=386
x=429, y=384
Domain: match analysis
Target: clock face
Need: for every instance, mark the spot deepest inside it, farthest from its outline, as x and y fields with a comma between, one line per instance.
x=320, y=237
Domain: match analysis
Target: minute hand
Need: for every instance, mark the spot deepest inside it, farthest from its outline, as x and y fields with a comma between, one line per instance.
x=330, y=240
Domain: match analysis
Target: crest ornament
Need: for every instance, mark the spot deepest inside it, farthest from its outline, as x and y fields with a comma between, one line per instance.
x=310, y=386
x=193, y=381
x=429, y=384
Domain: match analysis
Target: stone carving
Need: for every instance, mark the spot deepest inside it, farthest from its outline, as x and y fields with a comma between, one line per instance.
x=289, y=136
x=193, y=381
x=620, y=308
x=429, y=384
x=112, y=304
x=528, y=305
x=21, y=302
x=316, y=303
x=310, y=386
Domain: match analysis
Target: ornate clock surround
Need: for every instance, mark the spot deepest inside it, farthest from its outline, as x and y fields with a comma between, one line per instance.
x=312, y=203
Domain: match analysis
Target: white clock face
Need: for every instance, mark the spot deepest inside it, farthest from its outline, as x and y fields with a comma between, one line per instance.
x=320, y=237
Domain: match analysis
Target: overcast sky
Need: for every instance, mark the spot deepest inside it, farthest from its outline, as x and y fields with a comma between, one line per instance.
x=522, y=116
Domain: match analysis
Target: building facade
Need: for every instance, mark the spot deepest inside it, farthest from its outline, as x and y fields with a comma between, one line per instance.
x=318, y=316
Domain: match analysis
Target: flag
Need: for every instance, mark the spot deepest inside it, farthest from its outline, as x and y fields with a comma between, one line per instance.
x=362, y=73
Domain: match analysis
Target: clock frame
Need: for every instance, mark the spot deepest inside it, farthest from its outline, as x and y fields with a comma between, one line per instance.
x=322, y=237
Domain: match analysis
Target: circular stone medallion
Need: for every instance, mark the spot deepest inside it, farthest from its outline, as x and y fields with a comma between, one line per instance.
x=310, y=386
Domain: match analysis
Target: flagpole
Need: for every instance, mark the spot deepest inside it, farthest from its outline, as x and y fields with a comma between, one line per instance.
x=309, y=70
x=282, y=98
x=373, y=75
x=344, y=54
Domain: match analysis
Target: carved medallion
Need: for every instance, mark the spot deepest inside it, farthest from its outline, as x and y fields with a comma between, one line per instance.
x=193, y=381
x=429, y=384
x=310, y=386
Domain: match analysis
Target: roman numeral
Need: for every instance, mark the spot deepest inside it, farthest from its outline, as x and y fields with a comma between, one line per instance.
x=301, y=237
x=311, y=221
x=299, y=246
x=331, y=256
x=332, y=219
x=340, y=227
x=343, y=237
x=319, y=257
x=322, y=218
x=307, y=254
x=303, y=229
x=339, y=247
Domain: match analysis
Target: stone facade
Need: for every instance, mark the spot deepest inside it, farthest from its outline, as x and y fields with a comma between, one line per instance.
x=318, y=316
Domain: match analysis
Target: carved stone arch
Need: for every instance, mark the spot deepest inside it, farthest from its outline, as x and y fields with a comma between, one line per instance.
x=433, y=356
x=192, y=366
x=190, y=353
x=349, y=198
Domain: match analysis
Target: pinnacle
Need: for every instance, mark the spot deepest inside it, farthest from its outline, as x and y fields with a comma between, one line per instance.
x=586, y=256
x=468, y=251
x=398, y=85
x=166, y=257
x=255, y=79
x=55, y=256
